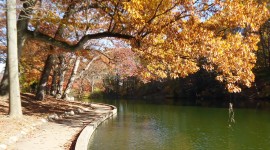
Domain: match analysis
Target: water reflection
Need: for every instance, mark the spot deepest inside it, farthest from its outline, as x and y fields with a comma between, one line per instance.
x=147, y=126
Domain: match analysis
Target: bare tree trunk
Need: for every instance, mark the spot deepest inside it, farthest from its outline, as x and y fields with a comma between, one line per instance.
x=54, y=80
x=81, y=88
x=72, y=78
x=62, y=73
x=93, y=84
x=40, y=95
x=15, y=108
x=82, y=74
x=88, y=66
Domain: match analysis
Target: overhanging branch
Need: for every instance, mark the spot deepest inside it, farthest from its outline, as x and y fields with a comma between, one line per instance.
x=80, y=44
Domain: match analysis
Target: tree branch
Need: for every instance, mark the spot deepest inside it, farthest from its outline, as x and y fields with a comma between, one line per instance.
x=80, y=44
x=112, y=16
x=66, y=16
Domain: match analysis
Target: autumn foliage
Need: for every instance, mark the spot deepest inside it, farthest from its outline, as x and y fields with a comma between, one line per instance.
x=172, y=38
x=220, y=37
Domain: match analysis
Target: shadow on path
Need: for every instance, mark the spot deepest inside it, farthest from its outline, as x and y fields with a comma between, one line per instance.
x=83, y=113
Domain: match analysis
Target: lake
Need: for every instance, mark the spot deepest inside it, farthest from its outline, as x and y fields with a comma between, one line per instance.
x=144, y=126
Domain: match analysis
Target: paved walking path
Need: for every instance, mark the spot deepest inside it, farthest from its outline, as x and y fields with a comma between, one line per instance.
x=59, y=134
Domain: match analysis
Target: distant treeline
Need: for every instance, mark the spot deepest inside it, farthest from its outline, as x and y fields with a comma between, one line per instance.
x=199, y=89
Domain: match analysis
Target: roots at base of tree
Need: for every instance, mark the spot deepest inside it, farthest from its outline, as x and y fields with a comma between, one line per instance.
x=40, y=96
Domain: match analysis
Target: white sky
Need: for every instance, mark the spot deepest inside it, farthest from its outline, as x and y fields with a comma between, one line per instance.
x=2, y=67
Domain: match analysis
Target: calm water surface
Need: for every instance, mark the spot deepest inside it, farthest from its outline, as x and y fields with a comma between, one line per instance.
x=142, y=126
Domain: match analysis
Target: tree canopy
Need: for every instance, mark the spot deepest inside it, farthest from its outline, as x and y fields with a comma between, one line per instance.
x=173, y=38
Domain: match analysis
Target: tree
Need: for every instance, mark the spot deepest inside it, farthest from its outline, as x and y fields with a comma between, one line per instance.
x=22, y=28
x=15, y=109
x=62, y=73
x=84, y=76
x=174, y=38
x=44, y=77
x=32, y=63
x=264, y=46
x=72, y=78
x=222, y=43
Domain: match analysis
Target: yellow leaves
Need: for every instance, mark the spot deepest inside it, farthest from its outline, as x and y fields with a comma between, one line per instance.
x=150, y=14
x=146, y=75
x=71, y=28
x=173, y=39
x=208, y=68
x=134, y=8
x=220, y=78
x=161, y=74
x=233, y=88
x=49, y=16
x=160, y=39
x=232, y=58
x=229, y=54
x=239, y=13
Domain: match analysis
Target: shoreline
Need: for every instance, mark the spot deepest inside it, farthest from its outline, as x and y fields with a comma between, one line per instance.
x=83, y=139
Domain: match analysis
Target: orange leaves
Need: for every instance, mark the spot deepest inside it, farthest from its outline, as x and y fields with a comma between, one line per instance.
x=224, y=44
x=150, y=15
x=239, y=13
x=233, y=88
x=174, y=38
x=233, y=59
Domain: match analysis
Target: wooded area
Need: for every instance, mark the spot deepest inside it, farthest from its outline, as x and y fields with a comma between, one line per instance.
x=71, y=49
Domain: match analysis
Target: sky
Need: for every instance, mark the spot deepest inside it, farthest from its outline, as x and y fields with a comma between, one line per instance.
x=2, y=67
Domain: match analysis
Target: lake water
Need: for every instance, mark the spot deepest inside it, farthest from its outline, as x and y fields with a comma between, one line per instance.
x=142, y=126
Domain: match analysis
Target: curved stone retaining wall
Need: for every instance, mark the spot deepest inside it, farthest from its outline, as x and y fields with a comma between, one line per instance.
x=85, y=135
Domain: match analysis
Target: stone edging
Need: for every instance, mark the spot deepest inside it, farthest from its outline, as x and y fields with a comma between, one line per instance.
x=85, y=135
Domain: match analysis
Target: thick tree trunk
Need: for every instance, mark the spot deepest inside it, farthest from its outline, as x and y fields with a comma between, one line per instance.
x=72, y=78
x=54, y=80
x=62, y=73
x=15, y=109
x=40, y=95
